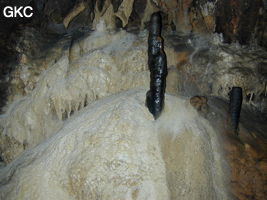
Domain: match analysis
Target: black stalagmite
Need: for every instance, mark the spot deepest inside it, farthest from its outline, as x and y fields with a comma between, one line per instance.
x=236, y=98
x=157, y=63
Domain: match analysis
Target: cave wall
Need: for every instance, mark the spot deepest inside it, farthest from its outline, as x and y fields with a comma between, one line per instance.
x=237, y=20
x=242, y=21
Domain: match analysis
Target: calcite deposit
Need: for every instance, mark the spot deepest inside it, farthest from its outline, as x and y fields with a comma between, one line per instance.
x=88, y=69
x=113, y=149
x=91, y=69
x=73, y=121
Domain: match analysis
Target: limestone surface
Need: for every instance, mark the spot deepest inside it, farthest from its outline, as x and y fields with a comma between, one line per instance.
x=94, y=67
x=114, y=149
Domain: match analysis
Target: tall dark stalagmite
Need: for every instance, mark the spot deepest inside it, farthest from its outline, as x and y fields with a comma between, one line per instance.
x=236, y=98
x=157, y=63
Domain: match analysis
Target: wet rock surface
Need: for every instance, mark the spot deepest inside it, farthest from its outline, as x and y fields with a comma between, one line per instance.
x=242, y=21
x=236, y=98
x=54, y=19
x=246, y=153
x=194, y=69
x=113, y=149
x=202, y=71
x=59, y=44
x=157, y=64
x=84, y=71
x=208, y=67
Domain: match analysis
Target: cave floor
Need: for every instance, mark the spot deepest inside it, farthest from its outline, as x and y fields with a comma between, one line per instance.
x=246, y=153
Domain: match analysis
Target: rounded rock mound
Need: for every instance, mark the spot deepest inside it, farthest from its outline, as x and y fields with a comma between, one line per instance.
x=113, y=149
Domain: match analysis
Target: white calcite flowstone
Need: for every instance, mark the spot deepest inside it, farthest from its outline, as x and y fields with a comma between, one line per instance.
x=93, y=67
x=114, y=150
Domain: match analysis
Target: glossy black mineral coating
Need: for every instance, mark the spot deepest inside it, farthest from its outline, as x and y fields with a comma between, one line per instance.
x=157, y=63
x=236, y=98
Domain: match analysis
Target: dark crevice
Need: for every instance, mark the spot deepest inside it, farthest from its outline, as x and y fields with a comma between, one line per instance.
x=116, y=4
x=100, y=4
x=118, y=22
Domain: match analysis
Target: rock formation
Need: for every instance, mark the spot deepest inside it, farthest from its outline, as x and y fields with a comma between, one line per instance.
x=74, y=17
x=68, y=93
x=113, y=149
x=49, y=89
x=199, y=103
x=236, y=98
x=157, y=63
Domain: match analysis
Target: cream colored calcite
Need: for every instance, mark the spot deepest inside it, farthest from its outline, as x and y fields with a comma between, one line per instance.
x=96, y=66
x=26, y=73
x=108, y=15
x=73, y=13
x=99, y=65
x=124, y=11
x=238, y=67
x=113, y=149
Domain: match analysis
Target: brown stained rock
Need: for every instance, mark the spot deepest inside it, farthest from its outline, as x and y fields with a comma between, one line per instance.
x=182, y=58
x=200, y=103
x=262, y=166
x=190, y=15
x=239, y=20
x=177, y=57
x=201, y=23
x=177, y=13
x=10, y=148
x=248, y=164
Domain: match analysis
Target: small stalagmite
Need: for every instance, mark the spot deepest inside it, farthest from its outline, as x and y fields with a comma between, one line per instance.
x=236, y=98
x=157, y=63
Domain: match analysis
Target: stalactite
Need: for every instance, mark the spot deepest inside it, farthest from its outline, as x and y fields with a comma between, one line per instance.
x=236, y=98
x=157, y=63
